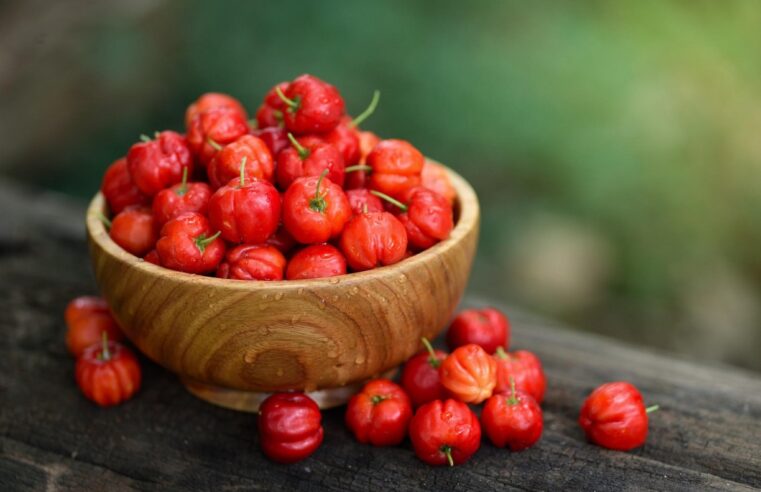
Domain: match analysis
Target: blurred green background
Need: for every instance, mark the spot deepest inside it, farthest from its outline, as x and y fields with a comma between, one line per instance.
x=615, y=146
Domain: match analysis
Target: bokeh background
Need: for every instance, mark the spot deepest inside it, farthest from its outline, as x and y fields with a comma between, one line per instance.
x=615, y=146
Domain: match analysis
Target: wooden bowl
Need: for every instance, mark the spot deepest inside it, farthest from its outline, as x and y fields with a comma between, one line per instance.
x=233, y=341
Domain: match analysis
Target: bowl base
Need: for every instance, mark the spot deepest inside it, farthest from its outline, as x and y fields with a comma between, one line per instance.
x=249, y=401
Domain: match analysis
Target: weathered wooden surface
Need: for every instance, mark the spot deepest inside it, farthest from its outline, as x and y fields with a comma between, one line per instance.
x=706, y=436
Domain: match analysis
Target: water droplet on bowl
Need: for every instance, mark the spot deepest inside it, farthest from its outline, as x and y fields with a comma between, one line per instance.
x=333, y=281
x=279, y=372
x=359, y=360
x=301, y=290
x=278, y=296
x=332, y=354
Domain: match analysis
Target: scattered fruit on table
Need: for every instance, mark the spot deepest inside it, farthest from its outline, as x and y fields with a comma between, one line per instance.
x=87, y=318
x=379, y=414
x=486, y=327
x=614, y=416
x=513, y=419
x=421, y=378
x=445, y=432
x=524, y=368
x=108, y=373
x=290, y=427
x=469, y=374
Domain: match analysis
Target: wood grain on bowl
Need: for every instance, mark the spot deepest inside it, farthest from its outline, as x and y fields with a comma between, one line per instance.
x=286, y=335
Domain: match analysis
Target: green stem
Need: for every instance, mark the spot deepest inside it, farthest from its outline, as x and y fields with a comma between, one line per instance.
x=103, y=219
x=293, y=105
x=432, y=359
x=242, y=171
x=303, y=151
x=501, y=353
x=377, y=399
x=105, y=354
x=184, y=185
x=214, y=144
x=202, y=241
x=652, y=408
x=367, y=112
x=447, y=450
x=357, y=167
x=253, y=124
x=318, y=202
x=145, y=138
x=513, y=400
x=390, y=200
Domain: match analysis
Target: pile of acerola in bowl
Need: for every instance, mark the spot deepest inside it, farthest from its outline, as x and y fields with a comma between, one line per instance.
x=432, y=404
x=235, y=198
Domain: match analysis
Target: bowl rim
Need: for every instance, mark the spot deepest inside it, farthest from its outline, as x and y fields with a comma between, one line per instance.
x=466, y=203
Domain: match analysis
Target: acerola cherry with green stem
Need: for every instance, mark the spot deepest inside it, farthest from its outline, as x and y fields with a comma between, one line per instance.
x=379, y=414
x=211, y=100
x=311, y=105
x=513, y=419
x=87, y=318
x=188, y=244
x=425, y=214
x=181, y=198
x=524, y=368
x=614, y=416
x=420, y=376
x=210, y=130
x=246, y=211
x=315, y=209
x=155, y=164
x=396, y=167
x=225, y=165
x=363, y=200
x=270, y=113
x=309, y=157
x=107, y=372
x=445, y=433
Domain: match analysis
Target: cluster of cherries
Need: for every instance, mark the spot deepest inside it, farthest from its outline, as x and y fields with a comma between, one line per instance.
x=235, y=198
x=430, y=404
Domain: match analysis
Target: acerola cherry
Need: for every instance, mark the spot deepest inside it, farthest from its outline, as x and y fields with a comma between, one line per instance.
x=212, y=100
x=282, y=240
x=188, y=244
x=361, y=200
x=435, y=178
x=445, y=433
x=356, y=176
x=469, y=374
x=245, y=210
x=253, y=262
x=181, y=198
x=290, y=427
x=214, y=128
x=275, y=137
x=157, y=164
x=486, y=327
x=108, y=373
x=426, y=216
x=87, y=318
x=134, y=229
x=310, y=157
x=225, y=166
x=373, y=239
x=379, y=414
x=524, y=368
x=396, y=167
x=270, y=113
x=316, y=261
x=513, y=419
x=420, y=376
x=312, y=105
x=315, y=209
x=614, y=416
x=119, y=189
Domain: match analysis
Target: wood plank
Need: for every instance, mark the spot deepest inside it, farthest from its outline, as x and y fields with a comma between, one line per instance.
x=706, y=436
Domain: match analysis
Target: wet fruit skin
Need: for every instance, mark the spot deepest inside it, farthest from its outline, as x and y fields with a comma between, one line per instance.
x=614, y=416
x=445, y=432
